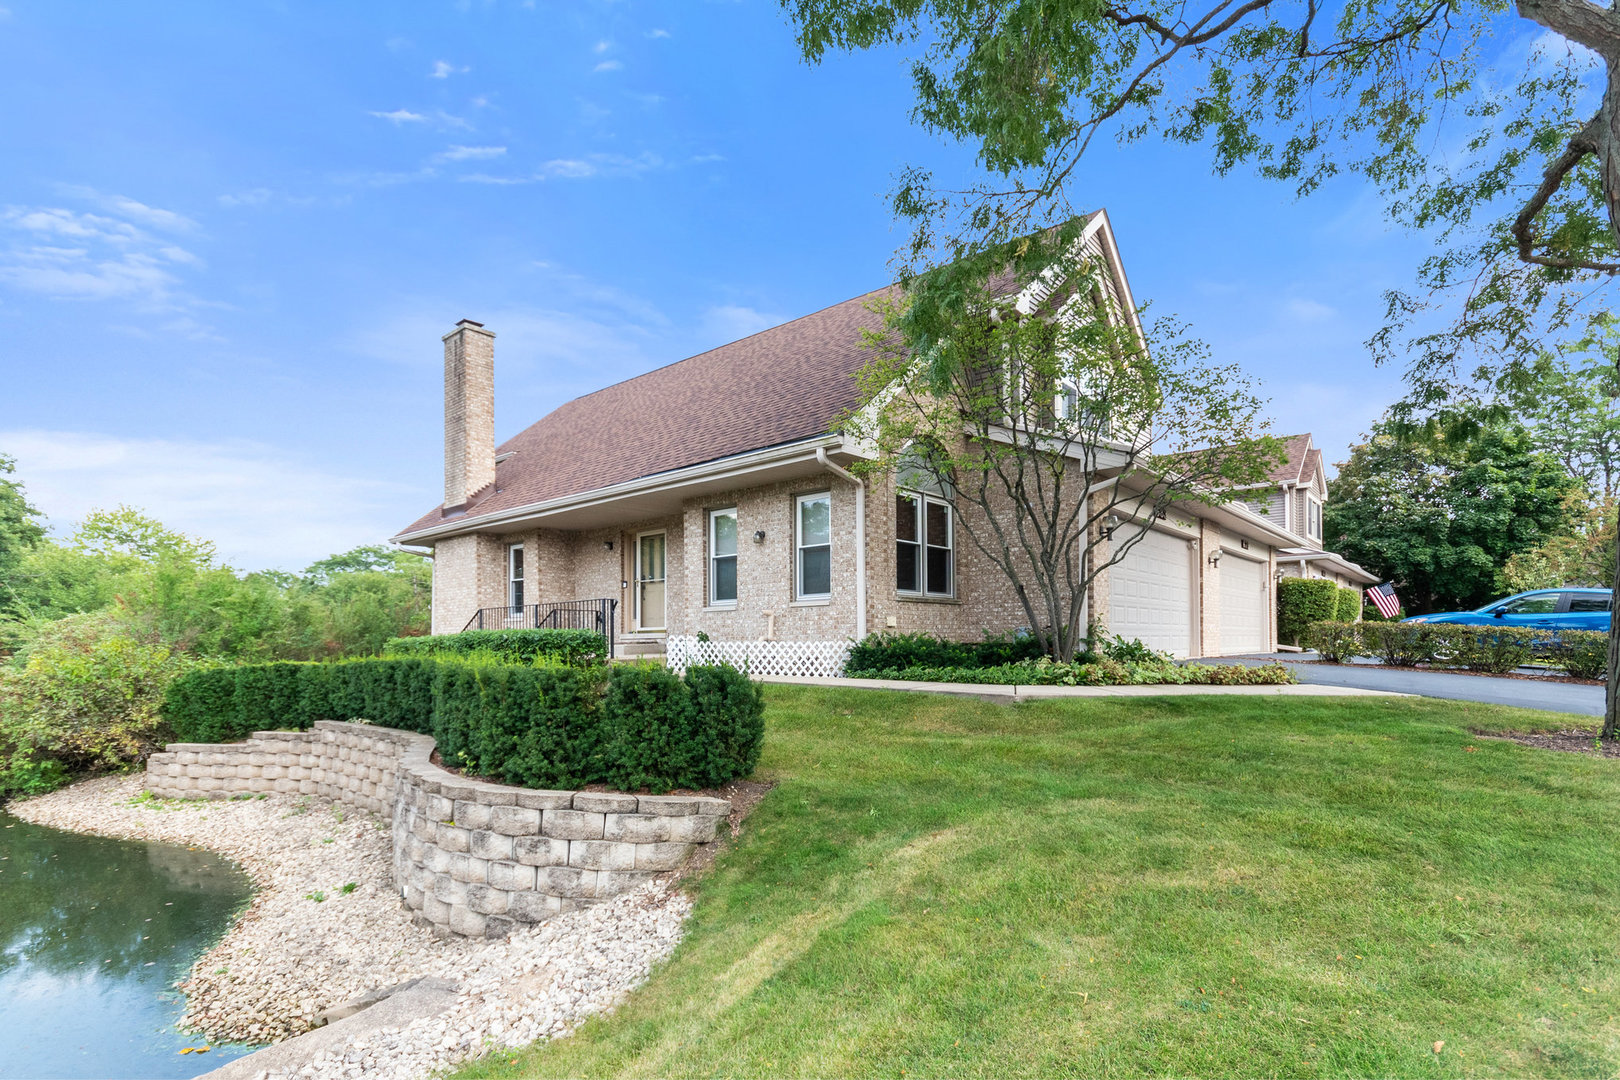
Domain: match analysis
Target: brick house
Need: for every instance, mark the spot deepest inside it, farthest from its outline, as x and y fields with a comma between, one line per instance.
x=712, y=497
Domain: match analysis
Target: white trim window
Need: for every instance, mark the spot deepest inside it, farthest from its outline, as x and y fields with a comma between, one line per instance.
x=514, y=576
x=1314, y=522
x=924, y=546
x=723, y=558
x=813, y=546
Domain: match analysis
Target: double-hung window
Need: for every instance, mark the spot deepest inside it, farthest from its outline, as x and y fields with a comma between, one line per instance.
x=722, y=557
x=1314, y=522
x=514, y=576
x=813, y=543
x=924, y=546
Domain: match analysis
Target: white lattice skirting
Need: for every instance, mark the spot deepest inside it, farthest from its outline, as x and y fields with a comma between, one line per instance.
x=813, y=658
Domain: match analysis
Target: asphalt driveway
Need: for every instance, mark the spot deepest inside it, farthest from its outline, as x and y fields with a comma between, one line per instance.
x=1529, y=693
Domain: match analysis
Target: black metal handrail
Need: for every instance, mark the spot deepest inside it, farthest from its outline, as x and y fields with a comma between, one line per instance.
x=595, y=615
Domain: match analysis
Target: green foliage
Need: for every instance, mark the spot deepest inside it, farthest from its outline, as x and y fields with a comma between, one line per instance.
x=898, y=652
x=20, y=530
x=87, y=698
x=1441, y=514
x=1582, y=654
x=1098, y=672
x=580, y=648
x=1582, y=554
x=1349, y=605
x=1493, y=649
x=1302, y=601
x=551, y=726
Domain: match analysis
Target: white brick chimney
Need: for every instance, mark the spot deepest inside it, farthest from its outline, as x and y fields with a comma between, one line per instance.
x=469, y=412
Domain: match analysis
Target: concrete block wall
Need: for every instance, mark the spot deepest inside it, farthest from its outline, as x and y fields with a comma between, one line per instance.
x=471, y=858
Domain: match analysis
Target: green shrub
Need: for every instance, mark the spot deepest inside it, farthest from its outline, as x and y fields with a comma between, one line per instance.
x=900, y=652
x=88, y=698
x=1349, y=605
x=1493, y=649
x=577, y=648
x=548, y=726
x=1335, y=642
x=1399, y=644
x=1301, y=602
x=1581, y=654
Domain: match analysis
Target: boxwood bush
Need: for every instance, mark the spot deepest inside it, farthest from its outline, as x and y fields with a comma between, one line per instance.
x=626, y=726
x=891, y=652
x=580, y=648
x=1302, y=601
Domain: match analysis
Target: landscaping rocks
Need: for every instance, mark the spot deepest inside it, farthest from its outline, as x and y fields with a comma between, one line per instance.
x=309, y=942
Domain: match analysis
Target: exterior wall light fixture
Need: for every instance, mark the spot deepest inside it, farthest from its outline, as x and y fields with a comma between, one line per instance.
x=759, y=536
x=1215, y=559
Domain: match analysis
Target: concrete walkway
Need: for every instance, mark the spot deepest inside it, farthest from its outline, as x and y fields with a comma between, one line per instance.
x=1008, y=694
x=1531, y=693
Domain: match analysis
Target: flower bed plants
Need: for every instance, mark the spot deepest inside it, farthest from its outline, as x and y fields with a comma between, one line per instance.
x=1099, y=672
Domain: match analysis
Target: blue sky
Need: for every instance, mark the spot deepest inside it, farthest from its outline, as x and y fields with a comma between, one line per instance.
x=232, y=234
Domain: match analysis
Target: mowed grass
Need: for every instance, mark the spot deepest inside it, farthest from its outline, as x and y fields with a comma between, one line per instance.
x=1226, y=886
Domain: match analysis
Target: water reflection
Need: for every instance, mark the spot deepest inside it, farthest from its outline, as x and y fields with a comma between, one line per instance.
x=93, y=935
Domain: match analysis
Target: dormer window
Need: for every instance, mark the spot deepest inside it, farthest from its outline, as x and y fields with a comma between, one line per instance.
x=1313, y=524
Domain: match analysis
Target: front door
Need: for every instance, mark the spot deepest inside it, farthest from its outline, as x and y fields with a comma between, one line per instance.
x=650, y=581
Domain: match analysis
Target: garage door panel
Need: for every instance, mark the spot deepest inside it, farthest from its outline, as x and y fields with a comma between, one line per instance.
x=1151, y=594
x=1244, y=607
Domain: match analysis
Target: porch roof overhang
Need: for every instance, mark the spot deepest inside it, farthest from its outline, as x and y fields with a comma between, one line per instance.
x=657, y=495
x=1337, y=562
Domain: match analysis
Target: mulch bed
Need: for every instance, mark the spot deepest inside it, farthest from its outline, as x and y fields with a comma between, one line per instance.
x=1458, y=671
x=1575, y=742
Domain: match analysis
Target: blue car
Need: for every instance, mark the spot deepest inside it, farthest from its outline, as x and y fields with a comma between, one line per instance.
x=1542, y=609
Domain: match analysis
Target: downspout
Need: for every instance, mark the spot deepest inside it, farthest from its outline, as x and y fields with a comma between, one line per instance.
x=860, y=537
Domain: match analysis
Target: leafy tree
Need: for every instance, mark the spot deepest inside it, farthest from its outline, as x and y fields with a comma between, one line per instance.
x=1582, y=554
x=1441, y=517
x=1057, y=431
x=1526, y=214
x=1568, y=398
x=20, y=530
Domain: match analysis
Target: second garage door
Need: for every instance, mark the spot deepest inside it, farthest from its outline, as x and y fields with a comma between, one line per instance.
x=1150, y=594
x=1243, y=606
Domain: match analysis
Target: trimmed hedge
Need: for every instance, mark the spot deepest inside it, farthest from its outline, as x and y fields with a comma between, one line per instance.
x=1301, y=602
x=1348, y=608
x=1583, y=654
x=577, y=648
x=904, y=652
x=626, y=726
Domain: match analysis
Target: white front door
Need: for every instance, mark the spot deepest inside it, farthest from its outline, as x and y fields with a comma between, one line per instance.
x=1243, y=605
x=1150, y=593
x=650, y=573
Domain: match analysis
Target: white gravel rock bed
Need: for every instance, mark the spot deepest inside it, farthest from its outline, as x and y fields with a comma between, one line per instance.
x=290, y=956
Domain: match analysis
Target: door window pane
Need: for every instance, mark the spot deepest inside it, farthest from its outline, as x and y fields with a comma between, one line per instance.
x=1588, y=602
x=1540, y=604
x=650, y=582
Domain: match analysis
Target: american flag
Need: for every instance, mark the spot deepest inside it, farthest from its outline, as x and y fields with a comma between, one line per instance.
x=1385, y=600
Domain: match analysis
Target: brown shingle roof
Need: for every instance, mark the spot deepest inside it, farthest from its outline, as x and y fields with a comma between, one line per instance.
x=1298, y=448
x=781, y=385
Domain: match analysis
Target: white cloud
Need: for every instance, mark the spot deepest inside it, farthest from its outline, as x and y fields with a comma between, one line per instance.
x=599, y=165
x=261, y=506
x=608, y=65
x=658, y=33
x=254, y=197
x=471, y=153
x=602, y=47
x=1304, y=309
x=731, y=322
x=443, y=69
x=400, y=116
x=69, y=254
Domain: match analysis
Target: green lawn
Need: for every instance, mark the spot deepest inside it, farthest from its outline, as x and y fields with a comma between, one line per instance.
x=1185, y=886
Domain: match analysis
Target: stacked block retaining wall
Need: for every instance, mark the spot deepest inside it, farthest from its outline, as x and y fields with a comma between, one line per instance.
x=470, y=857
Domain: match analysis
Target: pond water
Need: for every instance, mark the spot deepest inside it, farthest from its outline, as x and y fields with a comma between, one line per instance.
x=94, y=933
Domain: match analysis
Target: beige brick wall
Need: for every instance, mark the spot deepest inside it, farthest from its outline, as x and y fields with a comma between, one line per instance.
x=469, y=412
x=468, y=573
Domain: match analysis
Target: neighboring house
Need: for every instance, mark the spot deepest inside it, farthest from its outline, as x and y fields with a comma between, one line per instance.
x=712, y=497
x=1295, y=497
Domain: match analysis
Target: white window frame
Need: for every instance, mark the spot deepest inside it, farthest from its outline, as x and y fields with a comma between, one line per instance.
x=921, y=499
x=1067, y=399
x=800, y=547
x=516, y=564
x=1313, y=518
x=714, y=515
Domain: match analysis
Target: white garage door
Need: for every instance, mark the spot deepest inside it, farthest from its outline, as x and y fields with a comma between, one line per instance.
x=1151, y=594
x=1243, y=605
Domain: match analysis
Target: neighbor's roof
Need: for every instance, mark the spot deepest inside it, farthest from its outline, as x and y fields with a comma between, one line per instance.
x=781, y=385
